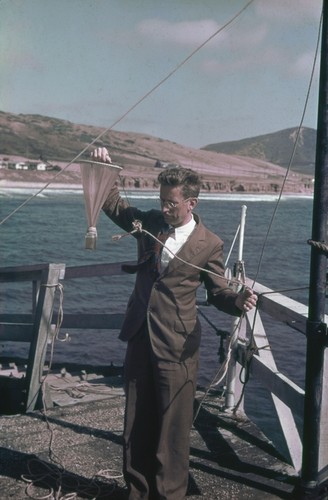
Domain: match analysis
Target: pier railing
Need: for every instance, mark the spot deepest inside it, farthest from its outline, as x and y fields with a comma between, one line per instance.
x=37, y=328
x=287, y=397
x=33, y=328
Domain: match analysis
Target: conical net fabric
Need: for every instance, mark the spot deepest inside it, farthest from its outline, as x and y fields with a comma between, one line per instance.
x=97, y=180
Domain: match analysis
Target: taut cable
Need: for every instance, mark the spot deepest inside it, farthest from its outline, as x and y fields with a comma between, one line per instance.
x=126, y=113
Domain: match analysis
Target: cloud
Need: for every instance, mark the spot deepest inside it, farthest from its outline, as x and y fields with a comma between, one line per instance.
x=285, y=10
x=303, y=65
x=186, y=33
x=18, y=61
x=236, y=41
x=268, y=58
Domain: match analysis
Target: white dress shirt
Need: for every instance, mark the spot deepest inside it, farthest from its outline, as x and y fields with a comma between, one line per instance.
x=175, y=242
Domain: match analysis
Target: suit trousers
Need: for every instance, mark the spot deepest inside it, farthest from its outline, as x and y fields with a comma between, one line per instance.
x=158, y=421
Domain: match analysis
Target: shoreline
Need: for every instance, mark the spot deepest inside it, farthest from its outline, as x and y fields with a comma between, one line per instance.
x=9, y=184
x=8, y=187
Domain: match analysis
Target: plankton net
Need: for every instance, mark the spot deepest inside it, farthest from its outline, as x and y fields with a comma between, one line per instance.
x=97, y=180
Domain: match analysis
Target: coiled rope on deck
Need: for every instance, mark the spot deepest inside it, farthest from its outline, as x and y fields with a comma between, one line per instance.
x=72, y=495
x=53, y=477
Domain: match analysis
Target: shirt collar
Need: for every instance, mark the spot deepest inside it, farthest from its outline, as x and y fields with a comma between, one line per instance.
x=186, y=229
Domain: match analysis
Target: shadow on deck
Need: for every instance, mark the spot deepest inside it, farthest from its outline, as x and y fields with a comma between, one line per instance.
x=76, y=448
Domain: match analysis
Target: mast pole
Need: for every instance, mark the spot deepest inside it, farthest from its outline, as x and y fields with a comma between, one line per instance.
x=230, y=398
x=315, y=460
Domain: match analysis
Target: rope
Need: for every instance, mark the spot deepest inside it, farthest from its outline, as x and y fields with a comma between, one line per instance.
x=62, y=485
x=50, y=474
x=232, y=246
x=137, y=103
x=220, y=374
x=138, y=228
x=250, y=349
x=320, y=246
x=32, y=480
x=292, y=154
x=137, y=225
x=55, y=479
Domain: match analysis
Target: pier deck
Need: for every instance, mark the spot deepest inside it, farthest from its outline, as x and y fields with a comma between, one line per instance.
x=76, y=447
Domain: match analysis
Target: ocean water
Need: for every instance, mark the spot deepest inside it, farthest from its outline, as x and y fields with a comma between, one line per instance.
x=51, y=228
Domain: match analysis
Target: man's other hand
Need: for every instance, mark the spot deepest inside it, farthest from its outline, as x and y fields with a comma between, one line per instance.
x=246, y=300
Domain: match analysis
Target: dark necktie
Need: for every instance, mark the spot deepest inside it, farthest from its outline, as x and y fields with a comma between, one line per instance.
x=162, y=237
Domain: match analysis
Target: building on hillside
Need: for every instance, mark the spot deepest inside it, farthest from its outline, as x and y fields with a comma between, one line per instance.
x=29, y=165
x=21, y=165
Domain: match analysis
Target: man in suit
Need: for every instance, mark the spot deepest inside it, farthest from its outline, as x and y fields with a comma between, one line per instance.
x=163, y=331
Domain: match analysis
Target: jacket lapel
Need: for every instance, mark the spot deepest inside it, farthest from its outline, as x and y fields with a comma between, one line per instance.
x=191, y=247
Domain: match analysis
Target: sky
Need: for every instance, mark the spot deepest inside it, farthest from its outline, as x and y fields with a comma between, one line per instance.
x=139, y=65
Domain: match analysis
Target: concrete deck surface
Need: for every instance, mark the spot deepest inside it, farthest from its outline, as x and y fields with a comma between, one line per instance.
x=75, y=450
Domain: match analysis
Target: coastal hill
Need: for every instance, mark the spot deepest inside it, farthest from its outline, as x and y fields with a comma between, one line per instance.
x=31, y=137
x=276, y=148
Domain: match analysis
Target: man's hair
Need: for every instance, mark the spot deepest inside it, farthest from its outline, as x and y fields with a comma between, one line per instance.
x=188, y=179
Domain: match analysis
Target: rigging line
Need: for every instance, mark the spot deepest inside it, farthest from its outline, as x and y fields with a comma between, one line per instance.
x=139, y=101
x=208, y=271
x=43, y=187
x=232, y=246
x=279, y=199
x=223, y=368
x=218, y=377
x=250, y=348
x=292, y=154
x=182, y=63
x=174, y=70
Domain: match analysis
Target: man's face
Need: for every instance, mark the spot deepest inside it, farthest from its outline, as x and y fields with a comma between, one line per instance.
x=176, y=209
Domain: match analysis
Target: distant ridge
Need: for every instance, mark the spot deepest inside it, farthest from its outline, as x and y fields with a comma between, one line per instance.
x=276, y=148
x=59, y=141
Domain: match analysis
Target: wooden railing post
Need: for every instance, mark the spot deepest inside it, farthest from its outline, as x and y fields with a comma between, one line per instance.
x=41, y=331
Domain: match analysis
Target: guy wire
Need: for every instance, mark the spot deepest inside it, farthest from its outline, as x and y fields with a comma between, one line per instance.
x=135, y=105
x=270, y=227
x=292, y=154
x=251, y=343
x=145, y=96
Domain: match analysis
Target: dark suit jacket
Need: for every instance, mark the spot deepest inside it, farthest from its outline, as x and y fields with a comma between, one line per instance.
x=168, y=302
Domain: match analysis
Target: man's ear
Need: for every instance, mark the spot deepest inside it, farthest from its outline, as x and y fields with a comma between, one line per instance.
x=193, y=202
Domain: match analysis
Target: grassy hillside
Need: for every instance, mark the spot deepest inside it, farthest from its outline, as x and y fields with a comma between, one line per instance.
x=60, y=141
x=276, y=148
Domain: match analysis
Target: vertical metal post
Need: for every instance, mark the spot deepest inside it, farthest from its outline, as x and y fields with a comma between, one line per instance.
x=233, y=339
x=316, y=329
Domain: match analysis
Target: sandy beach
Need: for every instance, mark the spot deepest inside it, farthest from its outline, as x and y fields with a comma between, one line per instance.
x=11, y=185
